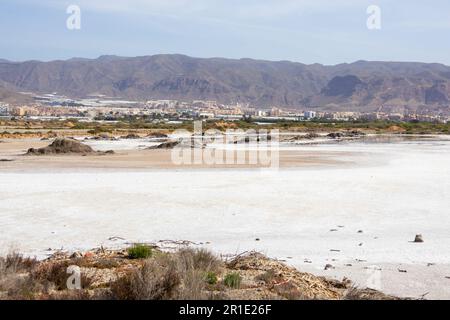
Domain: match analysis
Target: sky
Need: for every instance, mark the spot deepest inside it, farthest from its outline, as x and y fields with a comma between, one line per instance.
x=307, y=31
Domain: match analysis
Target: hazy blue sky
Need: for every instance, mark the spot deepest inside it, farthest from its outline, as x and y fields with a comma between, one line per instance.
x=309, y=31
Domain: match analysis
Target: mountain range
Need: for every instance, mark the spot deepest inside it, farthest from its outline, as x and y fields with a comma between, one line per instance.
x=362, y=85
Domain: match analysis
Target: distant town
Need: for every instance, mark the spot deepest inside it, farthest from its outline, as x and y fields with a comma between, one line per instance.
x=48, y=107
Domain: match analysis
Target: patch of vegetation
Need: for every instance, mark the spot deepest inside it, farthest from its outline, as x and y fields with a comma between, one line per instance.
x=15, y=262
x=152, y=123
x=54, y=274
x=199, y=259
x=211, y=278
x=170, y=276
x=188, y=274
x=139, y=251
x=233, y=280
x=157, y=279
x=13, y=282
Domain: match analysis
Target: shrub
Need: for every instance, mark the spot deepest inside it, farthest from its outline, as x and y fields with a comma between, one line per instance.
x=139, y=251
x=15, y=262
x=233, y=280
x=196, y=267
x=198, y=259
x=121, y=288
x=157, y=279
x=20, y=287
x=182, y=275
x=13, y=278
x=211, y=278
x=193, y=285
x=54, y=274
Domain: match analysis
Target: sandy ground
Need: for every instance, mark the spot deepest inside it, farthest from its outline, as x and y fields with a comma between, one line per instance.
x=140, y=158
x=308, y=213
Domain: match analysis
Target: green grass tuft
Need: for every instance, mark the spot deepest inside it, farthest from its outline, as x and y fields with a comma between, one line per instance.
x=233, y=280
x=140, y=251
x=211, y=278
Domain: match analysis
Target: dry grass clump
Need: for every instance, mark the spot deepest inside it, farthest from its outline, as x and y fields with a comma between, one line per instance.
x=54, y=275
x=20, y=287
x=26, y=278
x=183, y=275
x=197, y=268
x=157, y=279
x=200, y=259
x=192, y=286
x=15, y=282
x=15, y=262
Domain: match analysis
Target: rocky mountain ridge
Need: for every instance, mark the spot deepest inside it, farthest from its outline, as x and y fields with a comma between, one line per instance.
x=361, y=85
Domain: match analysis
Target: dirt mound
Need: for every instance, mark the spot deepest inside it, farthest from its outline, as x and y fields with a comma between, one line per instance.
x=301, y=137
x=396, y=129
x=102, y=137
x=284, y=282
x=165, y=145
x=62, y=146
x=131, y=136
x=346, y=134
x=157, y=135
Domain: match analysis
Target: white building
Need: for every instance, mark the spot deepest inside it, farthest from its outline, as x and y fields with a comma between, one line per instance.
x=309, y=114
x=207, y=115
x=3, y=109
x=262, y=113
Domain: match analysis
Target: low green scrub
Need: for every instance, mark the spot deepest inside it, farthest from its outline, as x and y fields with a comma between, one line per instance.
x=211, y=278
x=233, y=280
x=139, y=251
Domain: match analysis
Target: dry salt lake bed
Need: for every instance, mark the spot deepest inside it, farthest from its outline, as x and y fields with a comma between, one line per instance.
x=357, y=212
